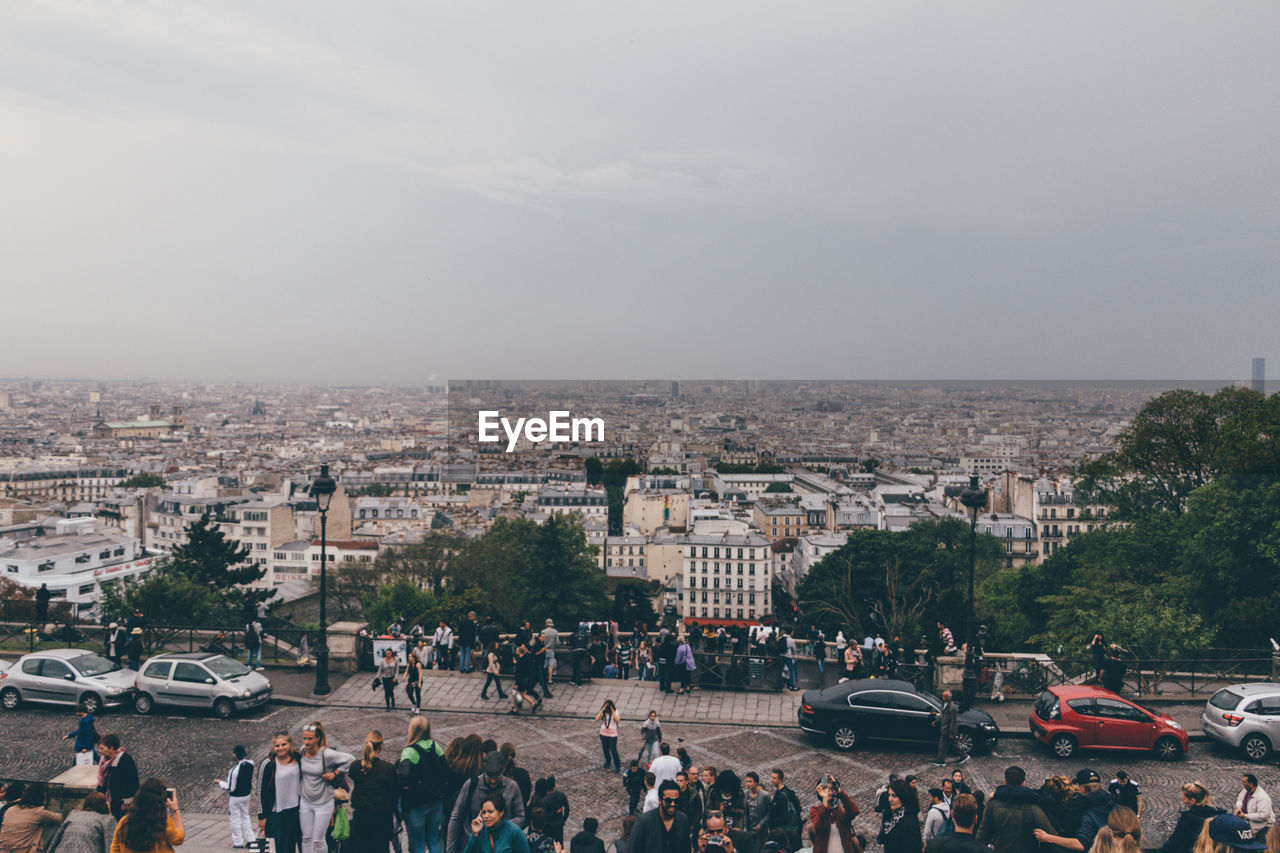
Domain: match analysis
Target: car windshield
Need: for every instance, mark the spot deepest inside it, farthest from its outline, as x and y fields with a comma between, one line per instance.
x=1225, y=700
x=91, y=665
x=225, y=667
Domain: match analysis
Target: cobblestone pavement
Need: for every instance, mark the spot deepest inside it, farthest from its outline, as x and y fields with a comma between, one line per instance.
x=190, y=751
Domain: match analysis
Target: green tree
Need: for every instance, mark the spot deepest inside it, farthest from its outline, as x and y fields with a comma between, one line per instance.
x=870, y=464
x=143, y=481
x=401, y=598
x=167, y=594
x=212, y=560
x=632, y=602
x=615, y=481
x=778, y=487
x=594, y=469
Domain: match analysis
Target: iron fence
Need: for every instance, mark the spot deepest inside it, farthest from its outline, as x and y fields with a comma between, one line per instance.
x=1165, y=677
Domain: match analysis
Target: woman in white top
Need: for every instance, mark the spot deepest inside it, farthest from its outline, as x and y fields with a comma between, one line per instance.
x=320, y=766
x=608, y=720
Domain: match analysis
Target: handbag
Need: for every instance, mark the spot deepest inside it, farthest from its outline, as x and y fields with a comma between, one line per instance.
x=377, y=682
x=341, y=824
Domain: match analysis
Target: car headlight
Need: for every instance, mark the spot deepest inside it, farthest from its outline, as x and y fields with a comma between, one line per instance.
x=245, y=694
x=989, y=726
x=1174, y=724
x=116, y=689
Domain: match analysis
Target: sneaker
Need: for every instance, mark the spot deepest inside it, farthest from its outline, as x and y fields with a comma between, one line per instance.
x=938, y=763
x=963, y=760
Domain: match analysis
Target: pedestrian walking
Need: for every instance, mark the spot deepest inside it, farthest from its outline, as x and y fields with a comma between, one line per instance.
x=413, y=683
x=279, y=795
x=320, y=767
x=651, y=734
x=88, y=829
x=624, y=653
x=153, y=823
x=388, y=672
x=525, y=678
x=607, y=717
x=375, y=793
x=946, y=723
x=239, y=787
x=84, y=737
x=633, y=784
x=1097, y=650
x=493, y=667
x=442, y=642
x=550, y=642
x=819, y=647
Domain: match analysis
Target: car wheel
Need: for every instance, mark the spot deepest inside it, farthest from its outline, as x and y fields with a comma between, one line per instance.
x=1063, y=746
x=223, y=708
x=10, y=698
x=92, y=703
x=1256, y=747
x=143, y=703
x=1168, y=749
x=964, y=741
x=845, y=738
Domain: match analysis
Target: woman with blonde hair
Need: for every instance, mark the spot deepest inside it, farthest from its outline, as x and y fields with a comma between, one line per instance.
x=418, y=771
x=1122, y=834
x=375, y=790
x=1197, y=807
x=321, y=769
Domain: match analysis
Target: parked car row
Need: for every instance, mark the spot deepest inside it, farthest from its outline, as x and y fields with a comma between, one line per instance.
x=198, y=680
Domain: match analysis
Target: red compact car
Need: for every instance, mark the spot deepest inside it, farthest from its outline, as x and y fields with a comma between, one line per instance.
x=1079, y=716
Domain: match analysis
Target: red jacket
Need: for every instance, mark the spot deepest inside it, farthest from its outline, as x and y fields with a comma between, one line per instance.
x=840, y=813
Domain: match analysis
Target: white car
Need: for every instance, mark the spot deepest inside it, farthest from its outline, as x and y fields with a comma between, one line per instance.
x=66, y=677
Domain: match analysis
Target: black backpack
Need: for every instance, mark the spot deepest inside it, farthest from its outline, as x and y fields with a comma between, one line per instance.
x=429, y=779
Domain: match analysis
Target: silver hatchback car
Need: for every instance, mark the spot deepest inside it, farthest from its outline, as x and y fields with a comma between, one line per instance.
x=66, y=677
x=200, y=680
x=1245, y=717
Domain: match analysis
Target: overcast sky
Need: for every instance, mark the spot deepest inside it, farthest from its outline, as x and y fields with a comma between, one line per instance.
x=410, y=191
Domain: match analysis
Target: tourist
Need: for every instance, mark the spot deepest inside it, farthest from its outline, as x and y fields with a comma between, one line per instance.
x=239, y=787
x=607, y=717
x=1198, y=807
x=663, y=830
x=493, y=668
x=835, y=812
x=425, y=776
x=964, y=817
x=89, y=829
x=900, y=824
x=153, y=823
x=492, y=832
x=489, y=784
x=1227, y=833
x=117, y=773
x=1254, y=804
x=279, y=789
x=587, y=841
x=23, y=827
x=84, y=734
x=375, y=794
x=665, y=766
x=319, y=766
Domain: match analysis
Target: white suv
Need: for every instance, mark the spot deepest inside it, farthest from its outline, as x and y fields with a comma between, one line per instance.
x=1245, y=717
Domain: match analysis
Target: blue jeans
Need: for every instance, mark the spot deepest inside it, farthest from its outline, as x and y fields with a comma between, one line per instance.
x=793, y=674
x=255, y=657
x=424, y=825
x=464, y=662
x=821, y=668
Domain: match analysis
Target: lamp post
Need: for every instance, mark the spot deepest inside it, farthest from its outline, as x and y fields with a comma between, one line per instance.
x=322, y=489
x=974, y=499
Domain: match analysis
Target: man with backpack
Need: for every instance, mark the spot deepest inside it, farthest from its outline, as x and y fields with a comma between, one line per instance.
x=937, y=822
x=423, y=775
x=253, y=644
x=964, y=814
x=784, y=811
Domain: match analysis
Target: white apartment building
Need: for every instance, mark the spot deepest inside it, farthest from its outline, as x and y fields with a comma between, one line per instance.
x=74, y=562
x=1017, y=533
x=726, y=578
x=588, y=502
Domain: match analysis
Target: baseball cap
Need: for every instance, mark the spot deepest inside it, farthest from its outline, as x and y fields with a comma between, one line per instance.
x=1086, y=776
x=1234, y=832
x=494, y=764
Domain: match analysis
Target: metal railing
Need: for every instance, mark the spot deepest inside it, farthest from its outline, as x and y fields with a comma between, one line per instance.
x=1167, y=678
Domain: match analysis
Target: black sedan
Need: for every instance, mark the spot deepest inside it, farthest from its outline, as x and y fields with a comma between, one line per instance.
x=883, y=709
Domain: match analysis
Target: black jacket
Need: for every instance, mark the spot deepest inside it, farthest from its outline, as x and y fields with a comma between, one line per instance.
x=122, y=782
x=646, y=834
x=374, y=791
x=956, y=842
x=467, y=633
x=267, y=786
x=1185, y=832
x=586, y=842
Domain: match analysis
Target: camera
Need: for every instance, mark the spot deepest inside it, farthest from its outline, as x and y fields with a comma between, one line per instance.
x=716, y=840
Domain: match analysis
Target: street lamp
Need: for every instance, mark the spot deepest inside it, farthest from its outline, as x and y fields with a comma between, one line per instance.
x=974, y=498
x=322, y=489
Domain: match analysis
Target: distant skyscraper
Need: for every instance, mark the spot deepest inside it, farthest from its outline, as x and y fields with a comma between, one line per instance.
x=1260, y=375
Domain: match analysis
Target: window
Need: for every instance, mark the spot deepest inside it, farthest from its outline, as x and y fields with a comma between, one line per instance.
x=55, y=669
x=871, y=699
x=157, y=669
x=31, y=666
x=105, y=555
x=86, y=589
x=45, y=567
x=907, y=702
x=1116, y=710
x=82, y=559
x=1084, y=707
x=11, y=569
x=190, y=673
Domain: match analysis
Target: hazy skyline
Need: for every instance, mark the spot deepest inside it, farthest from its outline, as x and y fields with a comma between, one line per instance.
x=405, y=192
